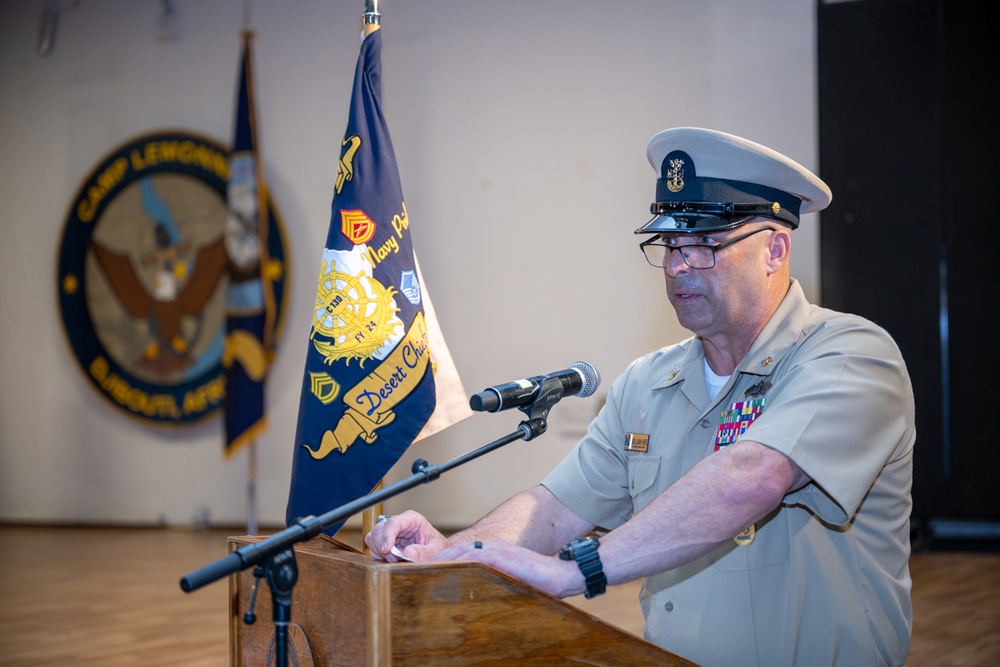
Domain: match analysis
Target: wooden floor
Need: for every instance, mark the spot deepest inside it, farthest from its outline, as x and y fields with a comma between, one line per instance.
x=110, y=596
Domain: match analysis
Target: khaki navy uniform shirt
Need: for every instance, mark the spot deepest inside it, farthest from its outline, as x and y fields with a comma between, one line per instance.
x=825, y=580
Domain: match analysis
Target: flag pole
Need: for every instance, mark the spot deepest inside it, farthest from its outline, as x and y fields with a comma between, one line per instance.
x=252, y=488
x=370, y=22
x=247, y=35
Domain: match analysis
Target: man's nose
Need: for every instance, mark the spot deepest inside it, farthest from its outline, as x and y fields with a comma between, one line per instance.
x=674, y=263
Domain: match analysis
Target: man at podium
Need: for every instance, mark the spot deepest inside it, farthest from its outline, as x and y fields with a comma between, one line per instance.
x=757, y=474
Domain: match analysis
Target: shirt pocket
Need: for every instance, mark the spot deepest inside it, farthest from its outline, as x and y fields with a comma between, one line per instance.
x=643, y=470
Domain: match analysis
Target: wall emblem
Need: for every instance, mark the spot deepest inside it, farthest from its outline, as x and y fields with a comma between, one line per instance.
x=143, y=273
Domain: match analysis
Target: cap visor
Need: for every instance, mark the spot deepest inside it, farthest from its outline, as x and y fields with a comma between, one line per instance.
x=689, y=224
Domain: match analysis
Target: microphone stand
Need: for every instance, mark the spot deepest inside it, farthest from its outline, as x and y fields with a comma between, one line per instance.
x=274, y=558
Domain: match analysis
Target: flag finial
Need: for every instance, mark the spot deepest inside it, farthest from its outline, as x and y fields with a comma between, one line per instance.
x=371, y=15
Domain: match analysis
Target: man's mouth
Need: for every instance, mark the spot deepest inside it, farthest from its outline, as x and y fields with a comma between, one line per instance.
x=683, y=294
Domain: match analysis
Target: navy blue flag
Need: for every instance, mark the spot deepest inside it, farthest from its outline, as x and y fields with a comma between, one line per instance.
x=369, y=384
x=249, y=308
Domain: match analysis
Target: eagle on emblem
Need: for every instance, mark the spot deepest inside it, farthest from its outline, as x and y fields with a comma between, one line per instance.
x=168, y=302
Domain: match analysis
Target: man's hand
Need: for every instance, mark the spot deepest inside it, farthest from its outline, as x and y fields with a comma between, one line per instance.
x=549, y=574
x=410, y=532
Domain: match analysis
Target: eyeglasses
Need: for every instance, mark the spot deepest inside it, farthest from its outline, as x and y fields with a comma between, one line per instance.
x=658, y=253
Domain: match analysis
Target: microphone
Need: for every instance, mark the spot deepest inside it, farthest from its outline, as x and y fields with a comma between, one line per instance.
x=581, y=379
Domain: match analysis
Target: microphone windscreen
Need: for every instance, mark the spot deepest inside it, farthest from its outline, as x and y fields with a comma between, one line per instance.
x=591, y=378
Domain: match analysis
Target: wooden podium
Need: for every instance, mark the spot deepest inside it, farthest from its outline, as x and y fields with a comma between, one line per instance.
x=350, y=610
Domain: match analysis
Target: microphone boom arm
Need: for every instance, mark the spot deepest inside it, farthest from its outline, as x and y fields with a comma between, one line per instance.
x=277, y=553
x=423, y=473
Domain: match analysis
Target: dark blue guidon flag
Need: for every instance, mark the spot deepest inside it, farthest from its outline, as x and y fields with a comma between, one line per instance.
x=368, y=387
x=249, y=306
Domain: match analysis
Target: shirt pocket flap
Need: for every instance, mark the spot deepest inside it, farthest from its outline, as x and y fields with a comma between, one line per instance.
x=642, y=474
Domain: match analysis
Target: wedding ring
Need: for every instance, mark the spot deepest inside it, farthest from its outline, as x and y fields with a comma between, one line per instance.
x=381, y=518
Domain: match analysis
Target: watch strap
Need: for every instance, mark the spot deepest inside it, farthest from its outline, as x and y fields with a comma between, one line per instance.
x=584, y=552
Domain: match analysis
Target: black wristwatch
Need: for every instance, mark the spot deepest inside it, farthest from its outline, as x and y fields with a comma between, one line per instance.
x=584, y=552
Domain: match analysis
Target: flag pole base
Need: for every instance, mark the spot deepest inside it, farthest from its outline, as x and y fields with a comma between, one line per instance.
x=370, y=515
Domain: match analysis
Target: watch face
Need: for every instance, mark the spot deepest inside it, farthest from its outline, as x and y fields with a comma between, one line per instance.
x=572, y=550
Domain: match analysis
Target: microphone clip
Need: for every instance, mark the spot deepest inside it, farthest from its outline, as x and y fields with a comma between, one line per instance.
x=538, y=411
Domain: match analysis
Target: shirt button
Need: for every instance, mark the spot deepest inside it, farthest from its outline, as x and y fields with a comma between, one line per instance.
x=669, y=607
x=704, y=423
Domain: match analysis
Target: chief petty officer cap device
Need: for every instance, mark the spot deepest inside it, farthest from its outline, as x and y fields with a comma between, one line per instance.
x=711, y=181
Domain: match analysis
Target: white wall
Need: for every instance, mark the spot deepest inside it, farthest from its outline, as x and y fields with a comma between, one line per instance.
x=520, y=129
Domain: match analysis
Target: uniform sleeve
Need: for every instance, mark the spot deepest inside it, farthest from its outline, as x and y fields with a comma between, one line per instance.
x=593, y=478
x=842, y=412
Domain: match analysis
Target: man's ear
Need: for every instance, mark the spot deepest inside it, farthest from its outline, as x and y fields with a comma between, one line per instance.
x=779, y=246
